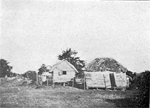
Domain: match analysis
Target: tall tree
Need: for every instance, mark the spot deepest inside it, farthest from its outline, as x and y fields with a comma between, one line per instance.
x=42, y=69
x=5, y=69
x=70, y=56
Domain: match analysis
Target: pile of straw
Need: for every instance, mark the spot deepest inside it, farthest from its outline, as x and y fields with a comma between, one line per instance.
x=105, y=64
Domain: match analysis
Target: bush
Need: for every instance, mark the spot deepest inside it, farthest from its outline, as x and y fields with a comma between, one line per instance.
x=31, y=75
x=142, y=84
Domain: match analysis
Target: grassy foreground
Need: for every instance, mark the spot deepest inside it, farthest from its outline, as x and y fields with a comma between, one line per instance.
x=13, y=96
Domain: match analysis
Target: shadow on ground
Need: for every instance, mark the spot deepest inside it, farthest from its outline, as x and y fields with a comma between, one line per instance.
x=123, y=103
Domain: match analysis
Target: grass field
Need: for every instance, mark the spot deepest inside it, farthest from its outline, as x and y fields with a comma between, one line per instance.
x=14, y=96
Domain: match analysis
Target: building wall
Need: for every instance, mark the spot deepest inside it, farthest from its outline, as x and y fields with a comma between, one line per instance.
x=103, y=79
x=58, y=75
x=97, y=79
x=121, y=79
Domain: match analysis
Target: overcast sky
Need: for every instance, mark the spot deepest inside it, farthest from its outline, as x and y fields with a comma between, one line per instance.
x=34, y=32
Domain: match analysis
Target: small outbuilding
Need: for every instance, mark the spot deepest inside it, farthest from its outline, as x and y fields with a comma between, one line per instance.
x=106, y=73
x=105, y=79
x=63, y=72
x=45, y=76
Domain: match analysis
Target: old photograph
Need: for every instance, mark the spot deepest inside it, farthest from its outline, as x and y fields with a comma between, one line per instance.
x=74, y=54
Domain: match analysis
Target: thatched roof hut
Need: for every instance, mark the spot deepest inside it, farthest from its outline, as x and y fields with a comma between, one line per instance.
x=105, y=64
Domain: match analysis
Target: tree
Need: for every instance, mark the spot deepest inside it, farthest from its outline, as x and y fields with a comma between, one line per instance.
x=42, y=69
x=5, y=69
x=131, y=74
x=142, y=83
x=11, y=74
x=30, y=75
x=70, y=56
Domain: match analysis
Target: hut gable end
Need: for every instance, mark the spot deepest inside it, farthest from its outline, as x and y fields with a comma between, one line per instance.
x=63, y=71
x=64, y=66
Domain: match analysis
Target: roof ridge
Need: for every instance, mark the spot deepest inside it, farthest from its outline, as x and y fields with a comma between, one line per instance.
x=73, y=67
x=65, y=62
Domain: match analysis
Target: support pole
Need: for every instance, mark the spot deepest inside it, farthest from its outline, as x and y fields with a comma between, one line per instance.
x=53, y=79
x=53, y=84
x=84, y=82
x=37, y=78
x=104, y=81
x=47, y=81
x=73, y=82
x=64, y=84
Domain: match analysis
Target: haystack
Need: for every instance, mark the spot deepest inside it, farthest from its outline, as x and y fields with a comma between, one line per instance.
x=105, y=64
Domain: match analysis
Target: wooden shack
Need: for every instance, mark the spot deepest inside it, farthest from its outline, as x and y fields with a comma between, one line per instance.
x=63, y=72
x=105, y=79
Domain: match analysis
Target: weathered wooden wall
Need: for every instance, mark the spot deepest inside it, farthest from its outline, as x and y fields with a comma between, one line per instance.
x=63, y=78
x=103, y=80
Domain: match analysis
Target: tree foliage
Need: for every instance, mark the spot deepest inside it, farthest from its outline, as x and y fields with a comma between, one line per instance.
x=42, y=69
x=5, y=69
x=70, y=56
x=31, y=75
x=142, y=83
x=131, y=74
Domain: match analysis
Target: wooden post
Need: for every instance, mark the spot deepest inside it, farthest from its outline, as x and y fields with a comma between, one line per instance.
x=53, y=79
x=53, y=83
x=84, y=82
x=41, y=82
x=47, y=81
x=64, y=84
x=73, y=82
x=37, y=78
x=104, y=81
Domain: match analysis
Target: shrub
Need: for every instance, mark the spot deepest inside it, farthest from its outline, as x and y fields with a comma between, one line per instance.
x=31, y=75
x=142, y=84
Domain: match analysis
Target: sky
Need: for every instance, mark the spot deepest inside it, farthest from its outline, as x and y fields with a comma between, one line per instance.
x=35, y=32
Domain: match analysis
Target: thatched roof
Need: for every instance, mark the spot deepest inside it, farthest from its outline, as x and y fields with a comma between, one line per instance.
x=105, y=64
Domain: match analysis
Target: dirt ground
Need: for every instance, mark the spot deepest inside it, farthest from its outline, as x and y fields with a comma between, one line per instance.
x=15, y=96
